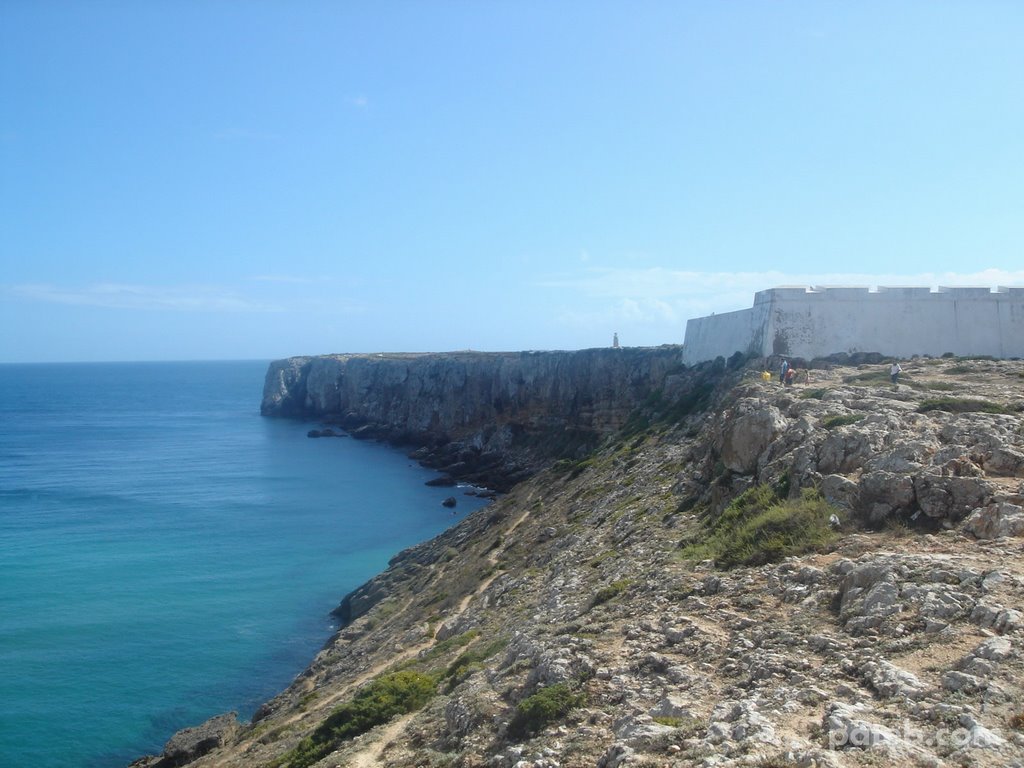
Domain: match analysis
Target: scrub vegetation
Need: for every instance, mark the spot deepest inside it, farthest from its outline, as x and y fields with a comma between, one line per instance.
x=758, y=527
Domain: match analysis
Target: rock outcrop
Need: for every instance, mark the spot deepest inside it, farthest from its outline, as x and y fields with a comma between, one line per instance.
x=569, y=623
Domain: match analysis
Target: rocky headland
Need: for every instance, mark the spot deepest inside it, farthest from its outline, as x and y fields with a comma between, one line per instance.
x=490, y=418
x=730, y=573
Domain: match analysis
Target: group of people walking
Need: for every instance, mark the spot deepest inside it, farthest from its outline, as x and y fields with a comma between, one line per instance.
x=788, y=374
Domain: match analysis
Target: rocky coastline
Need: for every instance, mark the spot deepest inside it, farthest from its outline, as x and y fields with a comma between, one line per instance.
x=604, y=613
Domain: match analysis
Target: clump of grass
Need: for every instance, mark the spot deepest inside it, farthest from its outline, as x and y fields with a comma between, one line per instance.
x=611, y=591
x=677, y=722
x=1017, y=721
x=841, y=421
x=573, y=468
x=869, y=377
x=470, y=660
x=384, y=698
x=455, y=641
x=758, y=527
x=536, y=712
x=813, y=394
x=961, y=405
x=606, y=555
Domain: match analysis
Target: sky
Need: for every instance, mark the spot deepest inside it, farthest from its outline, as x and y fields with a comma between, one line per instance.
x=252, y=180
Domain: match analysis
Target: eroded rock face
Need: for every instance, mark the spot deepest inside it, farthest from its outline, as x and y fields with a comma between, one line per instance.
x=486, y=417
x=869, y=451
x=996, y=520
x=748, y=435
x=191, y=743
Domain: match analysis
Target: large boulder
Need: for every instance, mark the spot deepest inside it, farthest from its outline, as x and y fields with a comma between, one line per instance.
x=882, y=493
x=950, y=498
x=747, y=437
x=995, y=521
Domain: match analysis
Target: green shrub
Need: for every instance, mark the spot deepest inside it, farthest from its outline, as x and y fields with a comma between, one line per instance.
x=393, y=694
x=757, y=527
x=451, y=643
x=546, y=706
x=813, y=394
x=841, y=421
x=604, y=556
x=471, y=659
x=961, y=405
x=610, y=592
x=869, y=377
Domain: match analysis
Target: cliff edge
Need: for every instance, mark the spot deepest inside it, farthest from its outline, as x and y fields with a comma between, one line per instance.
x=491, y=418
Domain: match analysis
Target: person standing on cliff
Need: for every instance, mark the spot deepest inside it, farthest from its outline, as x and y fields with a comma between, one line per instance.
x=894, y=374
x=783, y=371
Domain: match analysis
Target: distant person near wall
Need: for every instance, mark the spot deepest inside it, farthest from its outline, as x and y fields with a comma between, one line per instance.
x=894, y=374
x=783, y=370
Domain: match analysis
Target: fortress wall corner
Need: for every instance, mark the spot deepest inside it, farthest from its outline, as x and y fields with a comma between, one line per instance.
x=896, y=321
x=725, y=334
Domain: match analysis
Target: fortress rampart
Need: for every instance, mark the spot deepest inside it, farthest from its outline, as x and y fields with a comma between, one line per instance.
x=817, y=321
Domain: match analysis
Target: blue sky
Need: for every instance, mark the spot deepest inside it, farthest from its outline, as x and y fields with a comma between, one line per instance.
x=222, y=179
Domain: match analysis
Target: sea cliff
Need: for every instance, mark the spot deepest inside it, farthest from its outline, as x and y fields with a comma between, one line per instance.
x=486, y=417
x=827, y=575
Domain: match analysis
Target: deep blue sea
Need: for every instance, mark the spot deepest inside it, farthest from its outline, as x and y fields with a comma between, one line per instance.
x=166, y=554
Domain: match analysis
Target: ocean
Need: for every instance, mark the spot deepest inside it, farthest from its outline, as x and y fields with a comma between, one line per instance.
x=167, y=554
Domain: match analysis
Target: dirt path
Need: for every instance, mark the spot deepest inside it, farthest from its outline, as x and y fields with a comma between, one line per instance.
x=372, y=756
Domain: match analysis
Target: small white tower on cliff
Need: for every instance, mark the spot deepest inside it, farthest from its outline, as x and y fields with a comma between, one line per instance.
x=615, y=340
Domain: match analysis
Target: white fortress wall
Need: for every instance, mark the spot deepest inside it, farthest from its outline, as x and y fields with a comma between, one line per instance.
x=820, y=321
x=739, y=331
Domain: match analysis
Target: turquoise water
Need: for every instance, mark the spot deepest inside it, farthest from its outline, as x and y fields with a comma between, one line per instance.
x=166, y=554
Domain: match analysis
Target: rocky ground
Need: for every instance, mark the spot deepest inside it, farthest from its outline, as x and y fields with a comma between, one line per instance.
x=571, y=624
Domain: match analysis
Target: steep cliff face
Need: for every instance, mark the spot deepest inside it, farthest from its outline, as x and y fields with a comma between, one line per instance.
x=487, y=417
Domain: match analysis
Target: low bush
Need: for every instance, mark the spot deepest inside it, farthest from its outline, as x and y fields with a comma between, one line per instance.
x=870, y=377
x=610, y=592
x=758, y=527
x=813, y=394
x=961, y=405
x=536, y=712
x=470, y=660
x=384, y=698
x=841, y=421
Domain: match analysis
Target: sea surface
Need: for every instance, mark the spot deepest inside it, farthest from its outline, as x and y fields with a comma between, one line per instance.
x=166, y=554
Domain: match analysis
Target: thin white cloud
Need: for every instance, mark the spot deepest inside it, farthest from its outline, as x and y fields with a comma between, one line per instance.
x=359, y=102
x=144, y=297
